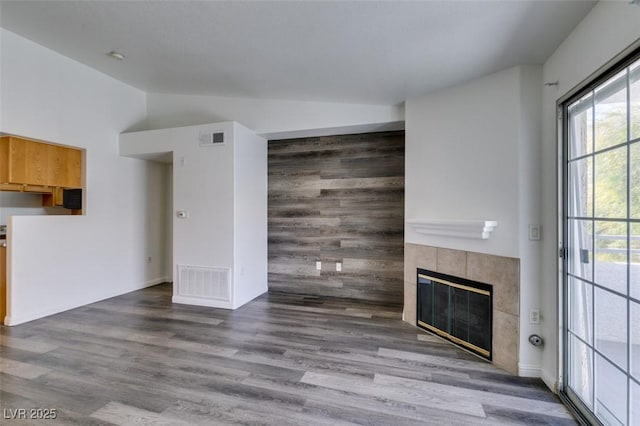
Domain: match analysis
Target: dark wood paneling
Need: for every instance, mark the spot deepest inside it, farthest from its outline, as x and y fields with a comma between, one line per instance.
x=338, y=199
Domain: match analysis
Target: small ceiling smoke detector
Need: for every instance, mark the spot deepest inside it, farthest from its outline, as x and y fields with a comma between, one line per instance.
x=116, y=55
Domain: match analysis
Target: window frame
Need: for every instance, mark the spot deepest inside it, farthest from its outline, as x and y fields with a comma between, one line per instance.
x=614, y=66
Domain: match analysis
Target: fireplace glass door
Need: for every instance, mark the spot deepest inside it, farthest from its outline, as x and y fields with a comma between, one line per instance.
x=456, y=309
x=602, y=238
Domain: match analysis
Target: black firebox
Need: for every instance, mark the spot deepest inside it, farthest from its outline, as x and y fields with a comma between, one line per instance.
x=457, y=309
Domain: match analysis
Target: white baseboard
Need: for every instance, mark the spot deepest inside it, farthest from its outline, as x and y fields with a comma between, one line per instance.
x=257, y=293
x=529, y=370
x=550, y=380
x=202, y=302
x=11, y=320
x=156, y=281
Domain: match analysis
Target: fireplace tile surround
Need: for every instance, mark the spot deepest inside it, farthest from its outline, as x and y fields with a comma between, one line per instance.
x=503, y=273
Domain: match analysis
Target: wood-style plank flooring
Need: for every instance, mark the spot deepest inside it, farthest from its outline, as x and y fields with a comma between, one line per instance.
x=279, y=360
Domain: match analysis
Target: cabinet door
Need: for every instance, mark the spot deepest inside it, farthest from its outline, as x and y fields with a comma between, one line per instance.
x=26, y=162
x=74, y=168
x=58, y=166
x=37, y=163
x=13, y=161
x=4, y=160
x=16, y=161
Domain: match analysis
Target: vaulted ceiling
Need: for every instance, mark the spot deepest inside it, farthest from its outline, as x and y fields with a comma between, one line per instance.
x=345, y=51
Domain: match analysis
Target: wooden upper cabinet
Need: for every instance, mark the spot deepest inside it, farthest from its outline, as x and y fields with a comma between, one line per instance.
x=58, y=165
x=65, y=167
x=37, y=167
x=27, y=162
x=13, y=168
x=74, y=168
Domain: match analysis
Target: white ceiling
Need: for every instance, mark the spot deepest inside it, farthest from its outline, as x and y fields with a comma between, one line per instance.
x=349, y=51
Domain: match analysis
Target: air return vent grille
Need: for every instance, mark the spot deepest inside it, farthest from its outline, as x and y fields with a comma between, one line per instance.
x=212, y=139
x=204, y=283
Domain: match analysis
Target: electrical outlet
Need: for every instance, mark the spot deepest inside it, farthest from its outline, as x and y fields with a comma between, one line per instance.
x=338, y=267
x=534, y=316
x=318, y=265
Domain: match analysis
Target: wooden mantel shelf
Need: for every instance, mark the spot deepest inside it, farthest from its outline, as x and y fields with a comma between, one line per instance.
x=474, y=229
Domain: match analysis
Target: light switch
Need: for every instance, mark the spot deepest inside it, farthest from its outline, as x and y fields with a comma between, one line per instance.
x=318, y=265
x=338, y=267
x=535, y=232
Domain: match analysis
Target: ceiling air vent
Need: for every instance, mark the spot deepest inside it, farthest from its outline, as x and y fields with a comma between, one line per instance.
x=211, y=139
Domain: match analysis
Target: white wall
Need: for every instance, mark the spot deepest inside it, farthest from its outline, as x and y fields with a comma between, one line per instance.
x=168, y=208
x=203, y=186
x=272, y=118
x=250, y=205
x=224, y=190
x=462, y=161
x=473, y=153
x=529, y=213
x=21, y=203
x=607, y=30
x=61, y=262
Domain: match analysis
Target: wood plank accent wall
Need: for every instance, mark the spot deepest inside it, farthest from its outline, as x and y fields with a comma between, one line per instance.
x=338, y=199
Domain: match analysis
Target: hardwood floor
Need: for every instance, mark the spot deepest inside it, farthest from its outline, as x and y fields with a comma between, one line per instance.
x=280, y=360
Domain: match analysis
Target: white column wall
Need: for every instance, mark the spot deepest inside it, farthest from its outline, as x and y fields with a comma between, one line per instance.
x=250, y=188
x=223, y=189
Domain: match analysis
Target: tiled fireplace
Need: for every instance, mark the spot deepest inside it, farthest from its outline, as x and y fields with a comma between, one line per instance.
x=502, y=273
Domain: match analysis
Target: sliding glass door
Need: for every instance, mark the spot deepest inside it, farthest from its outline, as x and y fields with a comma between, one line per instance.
x=602, y=239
